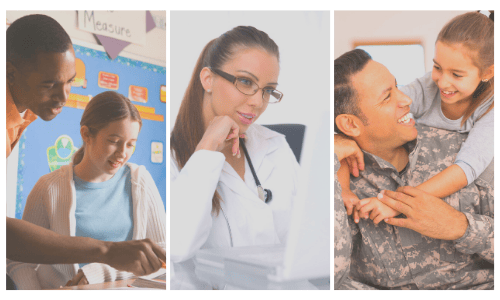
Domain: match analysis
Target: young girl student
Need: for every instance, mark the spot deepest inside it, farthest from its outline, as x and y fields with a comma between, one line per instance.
x=457, y=95
x=215, y=198
x=99, y=195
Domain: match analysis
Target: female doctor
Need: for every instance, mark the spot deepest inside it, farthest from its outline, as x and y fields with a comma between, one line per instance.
x=222, y=195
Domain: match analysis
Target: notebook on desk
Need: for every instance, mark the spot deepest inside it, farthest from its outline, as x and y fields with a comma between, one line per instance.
x=156, y=280
x=306, y=254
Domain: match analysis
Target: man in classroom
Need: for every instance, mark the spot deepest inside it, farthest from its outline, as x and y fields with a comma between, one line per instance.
x=40, y=69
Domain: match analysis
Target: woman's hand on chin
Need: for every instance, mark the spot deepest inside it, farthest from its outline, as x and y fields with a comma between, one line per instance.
x=221, y=133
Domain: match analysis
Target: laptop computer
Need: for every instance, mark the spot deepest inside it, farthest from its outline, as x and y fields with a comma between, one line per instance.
x=306, y=254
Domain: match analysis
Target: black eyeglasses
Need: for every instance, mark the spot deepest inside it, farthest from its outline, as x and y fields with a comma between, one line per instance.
x=250, y=88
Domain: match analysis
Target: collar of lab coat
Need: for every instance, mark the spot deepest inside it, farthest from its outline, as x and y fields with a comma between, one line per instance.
x=260, y=145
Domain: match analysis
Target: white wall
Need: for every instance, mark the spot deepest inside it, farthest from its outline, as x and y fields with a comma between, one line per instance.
x=304, y=42
x=353, y=26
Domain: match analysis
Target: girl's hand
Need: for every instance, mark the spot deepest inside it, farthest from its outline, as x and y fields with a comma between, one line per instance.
x=220, y=133
x=346, y=148
x=350, y=200
x=375, y=210
x=354, y=167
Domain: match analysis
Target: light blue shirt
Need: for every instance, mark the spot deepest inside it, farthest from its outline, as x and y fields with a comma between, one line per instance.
x=104, y=210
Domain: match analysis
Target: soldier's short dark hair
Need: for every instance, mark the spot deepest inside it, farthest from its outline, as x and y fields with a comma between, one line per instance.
x=32, y=34
x=345, y=96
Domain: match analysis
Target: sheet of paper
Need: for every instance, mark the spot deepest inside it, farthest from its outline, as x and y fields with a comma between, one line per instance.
x=155, y=274
x=156, y=280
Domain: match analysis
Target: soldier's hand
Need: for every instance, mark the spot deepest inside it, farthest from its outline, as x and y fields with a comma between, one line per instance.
x=425, y=213
x=141, y=257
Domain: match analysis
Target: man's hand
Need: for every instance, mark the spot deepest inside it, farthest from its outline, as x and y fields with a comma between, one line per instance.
x=346, y=148
x=141, y=257
x=425, y=214
x=27, y=242
x=78, y=279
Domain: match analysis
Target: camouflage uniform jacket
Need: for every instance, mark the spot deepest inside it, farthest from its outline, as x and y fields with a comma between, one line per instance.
x=390, y=257
x=343, y=241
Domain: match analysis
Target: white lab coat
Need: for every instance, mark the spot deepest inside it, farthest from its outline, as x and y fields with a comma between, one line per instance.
x=252, y=222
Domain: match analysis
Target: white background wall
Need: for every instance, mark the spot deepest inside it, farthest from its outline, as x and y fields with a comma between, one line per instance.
x=353, y=26
x=304, y=42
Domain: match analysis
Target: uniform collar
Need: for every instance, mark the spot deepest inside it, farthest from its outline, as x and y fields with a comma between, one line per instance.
x=379, y=163
x=14, y=118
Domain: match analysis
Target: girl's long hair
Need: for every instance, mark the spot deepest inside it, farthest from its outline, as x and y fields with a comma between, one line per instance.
x=189, y=125
x=475, y=32
x=103, y=109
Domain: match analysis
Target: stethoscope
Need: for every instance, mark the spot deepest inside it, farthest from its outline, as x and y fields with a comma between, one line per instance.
x=264, y=194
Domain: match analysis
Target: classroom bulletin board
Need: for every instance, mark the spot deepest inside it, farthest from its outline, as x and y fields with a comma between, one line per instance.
x=46, y=146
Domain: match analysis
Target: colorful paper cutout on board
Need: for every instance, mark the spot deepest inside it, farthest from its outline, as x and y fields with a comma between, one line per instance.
x=108, y=81
x=60, y=154
x=163, y=94
x=156, y=152
x=138, y=93
x=148, y=113
x=80, y=80
x=78, y=101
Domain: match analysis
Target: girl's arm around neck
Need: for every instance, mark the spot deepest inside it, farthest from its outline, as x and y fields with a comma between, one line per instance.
x=445, y=183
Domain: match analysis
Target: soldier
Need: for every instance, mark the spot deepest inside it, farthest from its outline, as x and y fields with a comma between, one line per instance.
x=434, y=243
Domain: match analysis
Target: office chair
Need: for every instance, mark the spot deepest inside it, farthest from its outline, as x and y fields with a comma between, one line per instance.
x=294, y=134
x=10, y=283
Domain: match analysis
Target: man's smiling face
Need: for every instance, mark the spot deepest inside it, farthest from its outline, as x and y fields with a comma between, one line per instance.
x=385, y=107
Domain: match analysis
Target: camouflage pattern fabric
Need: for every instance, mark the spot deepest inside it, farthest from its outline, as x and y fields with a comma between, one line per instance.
x=343, y=242
x=389, y=257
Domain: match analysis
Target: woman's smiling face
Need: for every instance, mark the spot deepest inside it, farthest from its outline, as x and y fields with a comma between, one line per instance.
x=252, y=64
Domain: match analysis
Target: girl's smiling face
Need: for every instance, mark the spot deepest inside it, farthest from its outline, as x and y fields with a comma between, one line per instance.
x=109, y=149
x=454, y=73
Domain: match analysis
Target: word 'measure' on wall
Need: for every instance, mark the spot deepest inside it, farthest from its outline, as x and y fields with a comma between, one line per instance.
x=127, y=26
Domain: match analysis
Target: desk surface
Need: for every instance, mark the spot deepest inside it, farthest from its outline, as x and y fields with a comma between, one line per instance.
x=100, y=286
